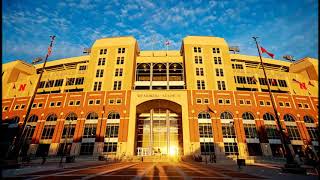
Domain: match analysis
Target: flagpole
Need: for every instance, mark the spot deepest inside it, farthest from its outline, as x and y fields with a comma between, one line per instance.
x=289, y=156
x=14, y=153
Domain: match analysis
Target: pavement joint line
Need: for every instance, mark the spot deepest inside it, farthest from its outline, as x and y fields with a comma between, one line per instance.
x=192, y=167
x=108, y=171
x=182, y=173
x=138, y=177
x=59, y=173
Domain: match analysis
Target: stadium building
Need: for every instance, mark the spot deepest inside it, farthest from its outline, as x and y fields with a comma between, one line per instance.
x=122, y=101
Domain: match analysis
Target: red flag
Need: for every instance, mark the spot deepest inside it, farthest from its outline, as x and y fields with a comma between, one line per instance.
x=302, y=85
x=265, y=51
x=22, y=87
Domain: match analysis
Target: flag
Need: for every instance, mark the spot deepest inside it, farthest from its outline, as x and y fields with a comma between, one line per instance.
x=167, y=43
x=302, y=85
x=265, y=51
x=273, y=82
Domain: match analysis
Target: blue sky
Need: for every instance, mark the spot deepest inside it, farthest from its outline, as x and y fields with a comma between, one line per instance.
x=284, y=27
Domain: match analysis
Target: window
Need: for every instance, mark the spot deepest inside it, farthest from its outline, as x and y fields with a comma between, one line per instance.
x=42, y=83
x=288, y=118
x=118, y=101
x=313, y=133
x=206, y=101
x=97, y=86
x=200, y=84
x=228, y=130
x=91, y=102
x=268, y=117
x=241, y=101
x=217, y=60
x=49, y=83
x=33, y=118
x=206, y=148
x=273, y=82
x=82, y=68
x=241, y=80
x=248, y=102
x=103, y=51
x=52, y=104
x=112, y=130
x=220, y=101
x=198, y=59
x=117, y=85
x=299, y=105
x=70, y=81
x=293, y=133
x=110, y=147
x=58, y=82
x=262, y=81
x=261, y=103
x=47, y=132
x=226, y=115
x=251, y=80
x=281, y=104
x=86, y=148
x=98, y=101
x=308, y=119
x=199, y=72
x=272, y=131
x=287, y=104
x=230, y=148
x=89, y=131
x=99, y=73
x=68, y=130
x=71, y=103
x=72, y=117
x=282, y=83
x=79, y=80
x=219, y=72
x=227, y=101
x=237, y=66
x=215, y=50
x=205, y=130
x=111, y=101
x=78, y=103
x=34, y=105
x=247, y=116
x=204, y=115
x=197, y=49
x=250, y=131
x=5, y=108
x=101, y=61
x=268, y=103
x=22, y=106
x=120, y=60
x=52, y=117
x=118, y=72
x=92, y=116
x=306, y=105
x=198, y=100
x=29, y=132
x=121, y=50
x=114, y=115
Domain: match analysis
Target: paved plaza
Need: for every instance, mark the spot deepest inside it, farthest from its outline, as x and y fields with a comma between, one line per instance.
x=151, y=170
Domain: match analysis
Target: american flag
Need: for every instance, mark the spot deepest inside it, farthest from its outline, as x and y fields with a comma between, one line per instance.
x=167, y=43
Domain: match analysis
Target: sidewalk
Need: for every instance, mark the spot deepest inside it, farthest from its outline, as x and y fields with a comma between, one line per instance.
x=50, y=165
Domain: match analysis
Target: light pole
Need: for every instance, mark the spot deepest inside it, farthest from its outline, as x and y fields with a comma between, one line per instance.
x=14, y=152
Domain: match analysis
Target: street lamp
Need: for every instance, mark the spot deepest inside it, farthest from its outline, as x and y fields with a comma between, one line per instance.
x=14, y=152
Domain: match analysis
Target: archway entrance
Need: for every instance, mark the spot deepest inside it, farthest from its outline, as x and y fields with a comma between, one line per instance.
x=159, y=128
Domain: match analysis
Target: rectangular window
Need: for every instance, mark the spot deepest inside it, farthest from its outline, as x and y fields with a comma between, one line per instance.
x=219, y=72
x=86, y=148
x=220, y=101
x=99, y=73
x=198, y=100
x=34, y=105
x=268, y=103
x=241, y=101
x=205, y=130
x=101, y=61
x=120, y=60
x=103, y=51
x=121, y=50
x=110, y=147
x=272, y=131
x=58, y=104
x=227, y=101
x=49, y=83
x=237, y=66
x=198, y=59
x=79, y=81
x=47, y=132
x=22, y=106
x=90, y=102
x=206, y=101
x=90, y=131
x=199, y=72
x=251, y=80
x=241, y=80
x=117, y=85
x=41, y=84
x=52, y=104
x=288, y=104
x=98, y=101
x=273, y=82
x=248, y=102
x=250, y=131
x=112, y=130
x=221, y=85
x=68, y=131
x=262, y=81
x=217, y=60
x=282, y=83
x=313, y=133
x=111, y=101
x=293, y=133
x=281, y=104
x=261, y=103
x=230, y=148
x=228, y=130
x=306, y=105
x=118, y=72
x=70, y=81
x=29, y=132
x=58, y=82
x=197, y=49
x=97, y=86
x=5, y=108
x=299, y=105
x=206, y=148
x=118, y=101
x=82, y=68
x=16, y=107
x=78, y=103
x=71, y=103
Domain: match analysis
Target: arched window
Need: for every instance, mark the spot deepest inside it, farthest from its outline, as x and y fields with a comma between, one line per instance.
x=14, y=120
x=72, y=117
x=288, y=118
x=114, y=115
x=203, y=115
x=226, y=115
x=92, y=116
x=308, y=119
x=247, y=116
x=268, y=117
x=52, y=117
x=33, y=118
